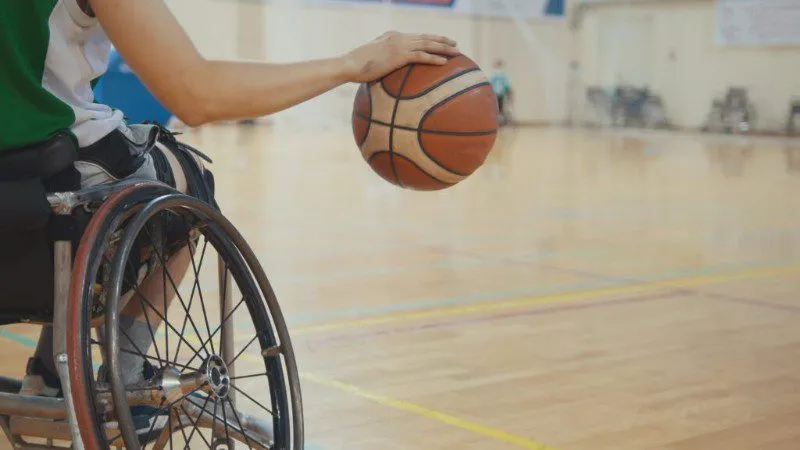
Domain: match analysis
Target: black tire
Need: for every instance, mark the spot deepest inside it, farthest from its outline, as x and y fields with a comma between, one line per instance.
x=264, y=313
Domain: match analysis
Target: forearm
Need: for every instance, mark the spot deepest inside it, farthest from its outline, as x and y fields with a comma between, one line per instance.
x=223, y=90
x=199, y=91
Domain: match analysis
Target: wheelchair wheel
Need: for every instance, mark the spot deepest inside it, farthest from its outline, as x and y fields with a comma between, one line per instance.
x=221, y=371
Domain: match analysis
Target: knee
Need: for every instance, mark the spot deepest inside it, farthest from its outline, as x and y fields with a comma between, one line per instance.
x=183, y=167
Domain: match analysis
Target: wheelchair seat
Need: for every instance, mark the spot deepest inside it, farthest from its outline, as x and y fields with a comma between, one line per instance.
x=28, y=228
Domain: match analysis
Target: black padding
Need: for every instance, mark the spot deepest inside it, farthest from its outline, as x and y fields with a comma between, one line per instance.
x=43, y=160
x=23, y=206
x=26, y=276
x=26, y=259
x=117, y=154
x=163, y=169
x=26, y=225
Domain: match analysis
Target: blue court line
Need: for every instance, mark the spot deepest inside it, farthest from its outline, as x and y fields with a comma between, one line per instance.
x=494, y=296
x=17, y=338
x=471, y=261
x=328, y=316
x=497, y=296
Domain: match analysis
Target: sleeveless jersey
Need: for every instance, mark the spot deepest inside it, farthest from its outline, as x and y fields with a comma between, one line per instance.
x=51, y=53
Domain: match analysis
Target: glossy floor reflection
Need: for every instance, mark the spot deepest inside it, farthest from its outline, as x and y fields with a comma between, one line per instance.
x=583, y=290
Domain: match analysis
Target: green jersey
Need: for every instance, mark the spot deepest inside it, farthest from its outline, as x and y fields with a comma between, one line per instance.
x=51, y=51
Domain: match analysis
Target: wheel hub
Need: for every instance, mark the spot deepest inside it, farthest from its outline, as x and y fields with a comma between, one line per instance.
x=216, y=372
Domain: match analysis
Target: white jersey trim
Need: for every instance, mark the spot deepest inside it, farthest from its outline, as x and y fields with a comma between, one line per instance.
x=78, y=52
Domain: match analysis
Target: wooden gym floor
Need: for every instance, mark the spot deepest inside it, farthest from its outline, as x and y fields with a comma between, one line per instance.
x=584, y=290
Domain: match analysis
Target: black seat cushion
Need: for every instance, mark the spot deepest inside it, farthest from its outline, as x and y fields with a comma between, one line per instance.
x=23, y=205
x=26, y=255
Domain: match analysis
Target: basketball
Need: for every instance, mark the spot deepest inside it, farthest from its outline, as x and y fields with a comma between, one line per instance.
x=427, y=127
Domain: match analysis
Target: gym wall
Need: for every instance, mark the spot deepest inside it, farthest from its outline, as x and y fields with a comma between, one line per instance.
x=670, y=46
x=667, y=45
x=289, y=31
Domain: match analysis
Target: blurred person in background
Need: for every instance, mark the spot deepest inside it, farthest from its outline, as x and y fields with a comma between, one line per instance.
x=502, y=88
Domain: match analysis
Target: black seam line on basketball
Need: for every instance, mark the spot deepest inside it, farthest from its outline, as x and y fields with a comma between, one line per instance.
x=423, y=170
x=391, y=127
x=445, y=100
x=383, y=83
x=412, y=163
x=363, y=117
x=434, y=108
x=399, y=92
x=369, y=124
x=446, y=133
x=441, y=83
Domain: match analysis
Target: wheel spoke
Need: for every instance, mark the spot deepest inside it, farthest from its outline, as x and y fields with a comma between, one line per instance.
x=196, y=285
x=253, y=400
x=154, y=418
x=153, y=358
x=163, y=319
x=165, y=436
x=243, y=349
x=168, y=408
x=164, y=263
x=183, y=431
x=214, y=422
x=241, y=428
x=135, y=284
x=223, y=300
x=220, y=326
x=177, y=294
x=169, y=424
x=136, y=349
x=225, y=423
x=241, y=377
x=195, y=426
x=200, y=289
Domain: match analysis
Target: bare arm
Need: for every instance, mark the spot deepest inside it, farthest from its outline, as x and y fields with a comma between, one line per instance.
x=198, y=91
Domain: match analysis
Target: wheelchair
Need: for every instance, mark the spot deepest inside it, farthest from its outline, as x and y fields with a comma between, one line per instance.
x=219, y=351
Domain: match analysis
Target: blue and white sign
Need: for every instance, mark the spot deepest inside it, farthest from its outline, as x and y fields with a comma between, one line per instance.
x=758, y=22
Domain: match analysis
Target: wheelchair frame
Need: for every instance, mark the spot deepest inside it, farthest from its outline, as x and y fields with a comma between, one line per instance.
x=56, y=418
x=27, y=414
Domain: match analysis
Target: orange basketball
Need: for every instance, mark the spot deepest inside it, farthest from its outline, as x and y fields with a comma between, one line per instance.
x=427, y=127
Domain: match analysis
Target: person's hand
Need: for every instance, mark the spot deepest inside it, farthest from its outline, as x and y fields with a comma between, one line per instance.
x=394, y=50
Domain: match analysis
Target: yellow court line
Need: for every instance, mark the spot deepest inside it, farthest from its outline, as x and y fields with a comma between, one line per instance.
x=567, y=297
x=499, y=435
x=492, y=433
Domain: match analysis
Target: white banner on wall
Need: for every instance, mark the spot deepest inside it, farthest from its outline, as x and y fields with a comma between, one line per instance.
x=525, y=9
x=758, y=22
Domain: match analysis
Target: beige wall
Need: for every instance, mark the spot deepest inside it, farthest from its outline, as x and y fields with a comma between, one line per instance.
x=670, y=46
x=212, y=25
x=292, y=33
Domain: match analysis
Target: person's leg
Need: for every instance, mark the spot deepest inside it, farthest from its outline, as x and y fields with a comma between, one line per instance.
x=501, y=103
x=42, y=377
x=141, y=317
